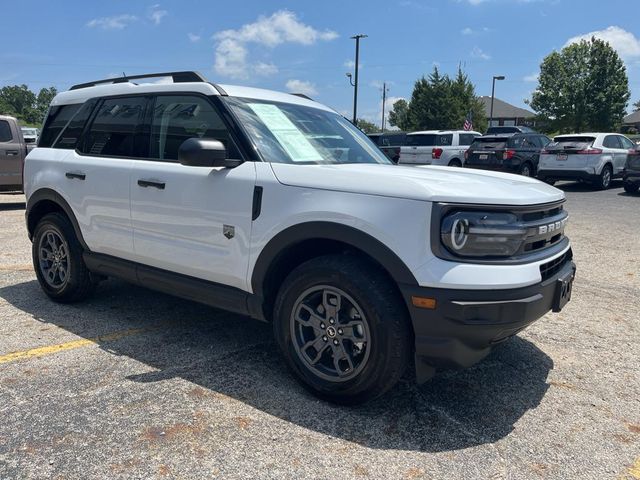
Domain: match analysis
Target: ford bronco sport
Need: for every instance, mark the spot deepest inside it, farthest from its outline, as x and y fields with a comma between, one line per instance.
x=276, y=207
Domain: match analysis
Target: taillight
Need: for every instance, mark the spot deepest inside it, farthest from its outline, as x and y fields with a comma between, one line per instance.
x=544, y=152
x=436, y=153
x=590, y=151
x=466, y=154
x=508, y=154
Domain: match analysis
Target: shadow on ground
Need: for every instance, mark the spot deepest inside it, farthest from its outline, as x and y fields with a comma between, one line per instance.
x=585, y=187
x=12, y=206
x=232, y=355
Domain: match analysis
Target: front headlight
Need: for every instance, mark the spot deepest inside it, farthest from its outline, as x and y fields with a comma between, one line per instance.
x=482, y=234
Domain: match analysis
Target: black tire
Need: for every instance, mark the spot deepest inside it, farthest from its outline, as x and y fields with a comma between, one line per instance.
x=526, y=170
x=378, y=362
x=76, y=283
x=603, y=181
x=631, y=187
x=455, y=163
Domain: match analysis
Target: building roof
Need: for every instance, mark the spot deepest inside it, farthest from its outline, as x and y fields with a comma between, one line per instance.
x=632, y=118
x=502, y=109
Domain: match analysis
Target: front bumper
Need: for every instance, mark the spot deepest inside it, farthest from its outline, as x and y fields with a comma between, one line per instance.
x=464, y=325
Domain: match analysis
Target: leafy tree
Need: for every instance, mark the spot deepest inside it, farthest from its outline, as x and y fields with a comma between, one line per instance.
x=636, y=106
x=399, y=115
x=43, y=100
x=582, y=87
x=366, y=126
x=439, y=102
x=20, y=102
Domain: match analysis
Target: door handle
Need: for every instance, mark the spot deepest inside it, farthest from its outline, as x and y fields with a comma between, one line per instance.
x=72, y=175
x=151, y=183
x=11, y=153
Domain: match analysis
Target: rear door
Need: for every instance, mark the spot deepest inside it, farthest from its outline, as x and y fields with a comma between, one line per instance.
x=618, y=154
x=191, y=220
x=12, y=154
x=418, y=148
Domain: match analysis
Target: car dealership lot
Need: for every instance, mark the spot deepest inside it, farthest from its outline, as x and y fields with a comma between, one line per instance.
x=137, y=384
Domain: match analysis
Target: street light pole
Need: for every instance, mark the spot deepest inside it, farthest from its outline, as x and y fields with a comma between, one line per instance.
x=493, y=91
x=355, y=87
x=384, y=100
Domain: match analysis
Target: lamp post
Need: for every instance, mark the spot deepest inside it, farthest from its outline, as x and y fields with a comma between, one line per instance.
x=493, y=91
x=384, y=100
x=355, y=85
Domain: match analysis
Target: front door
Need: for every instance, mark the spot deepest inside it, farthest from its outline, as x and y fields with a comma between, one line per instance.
x=191, y=220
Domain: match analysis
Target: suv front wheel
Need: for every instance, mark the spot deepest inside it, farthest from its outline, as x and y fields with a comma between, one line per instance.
x=604, y=179
x=343, y=328
x=57, y=260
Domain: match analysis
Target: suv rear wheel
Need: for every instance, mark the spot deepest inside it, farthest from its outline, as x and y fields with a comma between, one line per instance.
x=604, y=179
x=342, y=328
x=526, y=170
x=631, y=187
x=57, y=260
x=455, y=163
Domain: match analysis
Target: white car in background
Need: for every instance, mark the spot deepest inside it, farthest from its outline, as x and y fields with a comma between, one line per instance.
x=436, y=147
x=592, y=157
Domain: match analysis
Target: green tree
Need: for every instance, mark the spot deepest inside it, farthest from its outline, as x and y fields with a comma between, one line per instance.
x=20, y=102
x=43, y=100
x=366, y=126
x=399, y=115
x=636, y=106
x=439, y=102
x=582, y=87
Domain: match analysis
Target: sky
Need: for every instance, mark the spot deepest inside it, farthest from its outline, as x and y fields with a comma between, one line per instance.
x=304, y=46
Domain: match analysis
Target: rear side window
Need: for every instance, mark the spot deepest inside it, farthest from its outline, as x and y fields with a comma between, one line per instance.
x=5, y=131
x=467, y=138
x=445, y=140
x=70, y=136
x=177, y=118
x=114, y=128
x=422, y=140
x=395, y=140
x=57, y=120
x=611, y=141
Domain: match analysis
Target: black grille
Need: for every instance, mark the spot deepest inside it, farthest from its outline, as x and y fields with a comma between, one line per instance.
x=549, y=269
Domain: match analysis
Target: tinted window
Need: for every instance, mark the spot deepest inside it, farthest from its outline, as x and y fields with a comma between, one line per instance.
x=570, y=143
x=611, y=141
x=489, y=143
x=114, y=128
x=445, y=140
x=467, y=138
x=394, y=140
x=626, y=143
x=421, y=140
x=5, y=131
x=498, y=129
x=518, y=141
x=177, y=118
x=543, y=141
x=377, y=139
x=57, y=119
x=71, y=134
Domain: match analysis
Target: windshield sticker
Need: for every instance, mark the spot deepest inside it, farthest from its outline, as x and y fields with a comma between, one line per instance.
x=288, y=135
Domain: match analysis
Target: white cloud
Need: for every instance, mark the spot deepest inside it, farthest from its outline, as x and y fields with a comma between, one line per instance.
x=156, y=14
x=277, y=29
x=466, y=31
x=625, y=43
x=301, y=86
x=265, y=69
x=193, y=38
x=116, y=22
x=478, y=53
x=530, y=78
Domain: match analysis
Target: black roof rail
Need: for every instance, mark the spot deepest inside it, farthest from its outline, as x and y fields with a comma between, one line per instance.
x=178, y=77
x=302, y=95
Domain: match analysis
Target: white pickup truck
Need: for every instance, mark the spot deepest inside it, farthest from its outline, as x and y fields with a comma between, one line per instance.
x=13, y=151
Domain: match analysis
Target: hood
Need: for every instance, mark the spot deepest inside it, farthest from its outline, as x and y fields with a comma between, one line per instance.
x=428, y=183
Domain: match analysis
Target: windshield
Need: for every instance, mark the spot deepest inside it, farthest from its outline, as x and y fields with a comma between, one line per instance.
x=571, y=143
x=288, y=133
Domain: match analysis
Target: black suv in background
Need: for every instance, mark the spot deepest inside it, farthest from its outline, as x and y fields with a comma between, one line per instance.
x=512, y=153
x=389, y=143
x=631, y=172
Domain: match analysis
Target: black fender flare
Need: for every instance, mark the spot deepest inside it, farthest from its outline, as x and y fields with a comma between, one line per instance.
x=47, y=194
x=329, y=231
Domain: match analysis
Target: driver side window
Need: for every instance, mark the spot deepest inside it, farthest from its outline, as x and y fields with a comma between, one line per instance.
x=176, y=118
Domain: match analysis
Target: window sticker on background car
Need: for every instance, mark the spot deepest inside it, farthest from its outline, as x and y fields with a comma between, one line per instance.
x=288, y=135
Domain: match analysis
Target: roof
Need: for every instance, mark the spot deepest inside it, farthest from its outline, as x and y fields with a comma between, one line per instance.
x=502, y=109
x=80, y=95
x=632, y=118
x=431, y=132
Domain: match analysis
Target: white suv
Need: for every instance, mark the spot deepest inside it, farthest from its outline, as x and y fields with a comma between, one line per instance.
x=437, y=147
x=276, y=207
x=593, y=157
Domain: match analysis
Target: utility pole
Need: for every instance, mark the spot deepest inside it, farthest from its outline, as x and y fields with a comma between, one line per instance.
x=355, y=86
x=493, y=90
x=384, y=101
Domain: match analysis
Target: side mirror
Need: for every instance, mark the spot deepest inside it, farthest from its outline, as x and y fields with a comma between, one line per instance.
x=203, y=152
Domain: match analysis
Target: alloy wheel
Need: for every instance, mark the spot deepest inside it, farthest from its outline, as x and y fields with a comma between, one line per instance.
x=53, y=253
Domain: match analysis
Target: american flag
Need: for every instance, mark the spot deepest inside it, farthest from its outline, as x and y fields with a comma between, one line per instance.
x=468, y=122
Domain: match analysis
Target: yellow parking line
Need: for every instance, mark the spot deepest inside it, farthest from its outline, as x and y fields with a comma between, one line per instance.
x=635, y=470
x=61, y=347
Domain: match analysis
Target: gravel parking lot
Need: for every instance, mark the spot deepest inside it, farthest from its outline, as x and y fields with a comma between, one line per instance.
x=137, y=384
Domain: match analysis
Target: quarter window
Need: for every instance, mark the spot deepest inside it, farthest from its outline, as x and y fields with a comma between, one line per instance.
x=467, y=138
x=177, y=118
x=57, y=118
x=626, y=143
x=611, y=141
x=5, y=131
x=69, y=137
x=114, y=128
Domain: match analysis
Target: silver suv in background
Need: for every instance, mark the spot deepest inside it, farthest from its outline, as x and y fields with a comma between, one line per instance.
x=436, y=147
x=592, y=157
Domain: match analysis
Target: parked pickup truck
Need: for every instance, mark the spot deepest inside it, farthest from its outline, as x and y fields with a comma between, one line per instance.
x=13, y=151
